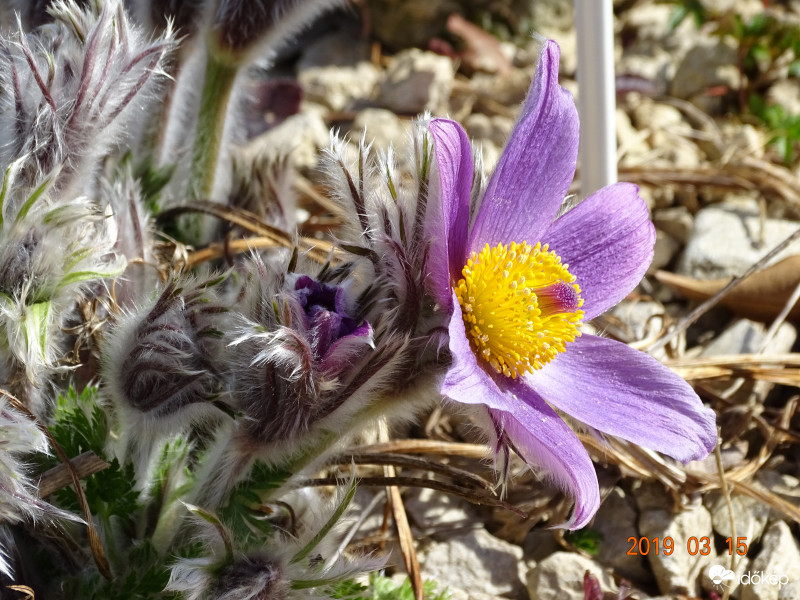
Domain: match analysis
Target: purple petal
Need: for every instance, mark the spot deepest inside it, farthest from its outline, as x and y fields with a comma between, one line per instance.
x=621, y=391
x=539, y=436
x=465, y=380
x=537, y=166
x=535, y=431
x=607, y=241
x=346, y=350
x=454, y=161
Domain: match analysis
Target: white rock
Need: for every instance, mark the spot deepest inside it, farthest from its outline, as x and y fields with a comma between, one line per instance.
x=553, y=14
x=431, y=510
x=340, y=87
x=657, y=66
x=640, y=319
x=678, y=572
x=300, y=136
x=649, y=20
x=745, y=336
x=741, y=337
x=500, y=130
x=478, y=126
x=664, y=251
x=383, y=128
x=475, y=561
x=746, y=9
x=560, y=577
x=778, y=563
x=791, y=591
x=785, y=92
x=750, y=515
x=745, y=138
x=676, y=221
x=668, y=132
x=711, y=63
x=725, y=240
x=780, y=484
x=416, y=81
x=616, y=521
x=631, y=143
x=648, y=114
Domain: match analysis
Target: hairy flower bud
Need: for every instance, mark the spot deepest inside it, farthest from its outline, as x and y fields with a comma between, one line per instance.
x=50, y=255
x=18, y=497
x=254, y=577
x=239, y=27
x=72, y=88
x=167, y=357
x=286, y=378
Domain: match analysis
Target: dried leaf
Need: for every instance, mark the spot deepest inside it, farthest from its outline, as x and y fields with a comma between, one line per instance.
x=761, y=296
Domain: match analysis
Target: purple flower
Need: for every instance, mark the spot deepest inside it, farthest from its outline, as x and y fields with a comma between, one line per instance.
x=521, y=281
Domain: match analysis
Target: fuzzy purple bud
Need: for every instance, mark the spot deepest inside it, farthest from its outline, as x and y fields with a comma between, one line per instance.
x=327, y=320
x=292, y=359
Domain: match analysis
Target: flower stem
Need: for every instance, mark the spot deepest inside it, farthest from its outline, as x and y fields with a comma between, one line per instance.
x=217, y=87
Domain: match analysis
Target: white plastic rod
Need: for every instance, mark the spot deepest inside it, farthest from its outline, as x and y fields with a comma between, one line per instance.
x=594, y=22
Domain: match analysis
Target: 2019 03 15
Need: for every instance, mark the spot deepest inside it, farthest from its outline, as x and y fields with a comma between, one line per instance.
x=694, y=545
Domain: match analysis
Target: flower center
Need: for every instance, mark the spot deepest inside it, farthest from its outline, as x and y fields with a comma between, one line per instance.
x=520, y=306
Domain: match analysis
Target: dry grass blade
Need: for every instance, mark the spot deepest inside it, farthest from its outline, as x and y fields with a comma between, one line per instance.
x=317, y=249
x=460, y=476
x=765, y=496
x=426, y=447
x=24, y=589
x=469, y=494
x=404, y=536
x=736, y=360
x=742, y=173
x=305, y=187
x=83, y=465
x=95, y=543
x=687, y=321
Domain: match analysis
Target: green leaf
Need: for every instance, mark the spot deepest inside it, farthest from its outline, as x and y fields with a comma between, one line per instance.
x=586, y=539
x=244, y=514
x=34, y=328
x=383, y=588
x=80, y=426
x=349, y=589
x=677, y=16
x=37, y=193
x=337, y=514
x=11, y=172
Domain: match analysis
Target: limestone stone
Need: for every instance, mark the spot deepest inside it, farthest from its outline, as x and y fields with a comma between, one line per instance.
x=560, y=577
x=475, y=561
x=340, y=87
x=726, y=240
x=710, y=63
x=678, y=572
x=416, y=81
x=778, y=563
x=616, y=521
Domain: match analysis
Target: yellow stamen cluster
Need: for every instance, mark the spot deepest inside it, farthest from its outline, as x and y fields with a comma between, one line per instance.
x=520, y=306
